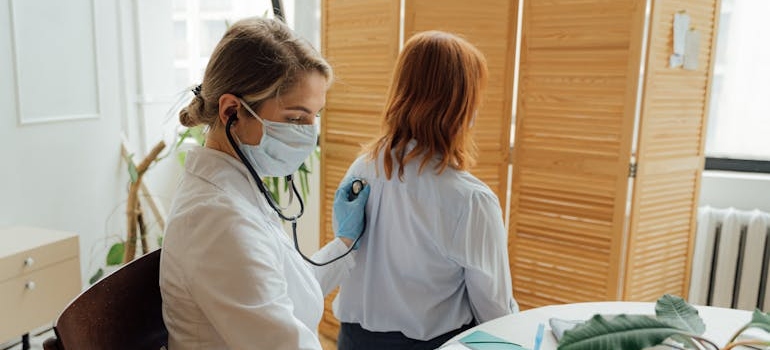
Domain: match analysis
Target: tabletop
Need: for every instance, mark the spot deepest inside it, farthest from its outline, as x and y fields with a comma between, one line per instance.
x=520, y=328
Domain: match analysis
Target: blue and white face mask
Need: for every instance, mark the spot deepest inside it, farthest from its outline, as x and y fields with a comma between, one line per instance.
x=283, y=148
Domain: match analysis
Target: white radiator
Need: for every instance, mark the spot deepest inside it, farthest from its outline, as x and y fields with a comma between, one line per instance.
x=730, y=259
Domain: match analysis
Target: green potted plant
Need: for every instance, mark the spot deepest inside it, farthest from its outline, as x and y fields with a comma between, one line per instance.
x=676, y=324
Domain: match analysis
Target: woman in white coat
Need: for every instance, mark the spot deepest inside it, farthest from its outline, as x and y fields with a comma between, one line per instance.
x=230, y=277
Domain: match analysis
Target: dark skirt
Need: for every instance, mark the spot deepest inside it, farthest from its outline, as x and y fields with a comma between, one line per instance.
x=353, y=337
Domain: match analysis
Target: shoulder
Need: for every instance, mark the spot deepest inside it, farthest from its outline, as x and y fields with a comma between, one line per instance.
x=467, y=187
x=218, y=225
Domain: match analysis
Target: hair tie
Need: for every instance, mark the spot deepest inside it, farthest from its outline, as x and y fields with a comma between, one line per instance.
x=196, y=90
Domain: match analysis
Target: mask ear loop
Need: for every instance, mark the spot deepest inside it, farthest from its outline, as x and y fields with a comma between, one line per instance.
x=271, y=201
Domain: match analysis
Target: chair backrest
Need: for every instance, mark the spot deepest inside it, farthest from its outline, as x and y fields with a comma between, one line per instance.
x=121, y=311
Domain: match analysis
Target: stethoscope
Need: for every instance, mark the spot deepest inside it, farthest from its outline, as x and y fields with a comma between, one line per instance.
x=358, y=185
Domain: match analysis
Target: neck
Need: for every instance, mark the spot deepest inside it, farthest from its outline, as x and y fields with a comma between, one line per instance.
x=216, y=139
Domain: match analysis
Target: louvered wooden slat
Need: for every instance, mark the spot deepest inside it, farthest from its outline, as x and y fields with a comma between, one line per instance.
x=577, y=89
x=670, y=157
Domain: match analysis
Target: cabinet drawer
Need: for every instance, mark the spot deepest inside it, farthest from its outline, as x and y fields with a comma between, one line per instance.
x=36, y=298
x=38, y=257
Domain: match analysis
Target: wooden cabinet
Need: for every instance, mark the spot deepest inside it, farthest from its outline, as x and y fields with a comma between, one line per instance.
x=39, y=275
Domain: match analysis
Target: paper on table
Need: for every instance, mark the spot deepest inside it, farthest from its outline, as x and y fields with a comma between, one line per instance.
x=480, y=340
x=559, y=326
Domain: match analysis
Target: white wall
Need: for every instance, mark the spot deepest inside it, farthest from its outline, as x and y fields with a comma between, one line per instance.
x=60, y=174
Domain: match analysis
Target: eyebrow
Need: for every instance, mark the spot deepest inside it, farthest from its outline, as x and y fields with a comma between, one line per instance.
x=300, y=108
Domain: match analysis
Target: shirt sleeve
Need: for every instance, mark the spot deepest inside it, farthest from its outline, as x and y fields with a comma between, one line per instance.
x=331, y=275
x=480, y=246
x=242, y=290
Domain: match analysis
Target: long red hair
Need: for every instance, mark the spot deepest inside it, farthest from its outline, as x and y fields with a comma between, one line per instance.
x=434, y=94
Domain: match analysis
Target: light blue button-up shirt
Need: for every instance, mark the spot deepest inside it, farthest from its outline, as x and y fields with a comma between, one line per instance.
x=433, y=257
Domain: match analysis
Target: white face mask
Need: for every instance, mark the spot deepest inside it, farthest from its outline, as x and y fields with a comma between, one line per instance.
x=283, y=148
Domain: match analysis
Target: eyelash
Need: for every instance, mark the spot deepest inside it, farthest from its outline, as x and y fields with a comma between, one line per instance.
x=298, y=120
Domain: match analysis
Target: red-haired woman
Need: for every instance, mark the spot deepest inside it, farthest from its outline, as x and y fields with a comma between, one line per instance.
x=434, y=259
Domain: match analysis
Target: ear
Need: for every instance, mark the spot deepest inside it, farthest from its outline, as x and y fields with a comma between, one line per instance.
x=228, y=106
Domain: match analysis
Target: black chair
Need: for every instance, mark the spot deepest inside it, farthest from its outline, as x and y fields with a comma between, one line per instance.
x=121, y=311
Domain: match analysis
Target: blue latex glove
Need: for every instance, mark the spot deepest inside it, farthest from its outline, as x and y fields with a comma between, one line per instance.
x=348, y=214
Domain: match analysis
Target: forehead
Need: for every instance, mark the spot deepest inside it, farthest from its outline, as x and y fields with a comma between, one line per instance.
x=309, y=91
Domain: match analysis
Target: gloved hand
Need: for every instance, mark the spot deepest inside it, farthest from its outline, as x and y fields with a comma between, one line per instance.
x=348, y=218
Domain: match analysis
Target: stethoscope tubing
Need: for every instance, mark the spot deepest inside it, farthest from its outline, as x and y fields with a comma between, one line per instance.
x=292, y=219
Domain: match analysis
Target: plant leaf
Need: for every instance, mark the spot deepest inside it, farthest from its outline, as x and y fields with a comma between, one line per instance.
x=197, y=132
x=181, y=157
x=132, y=173
x=115, y=255
x=760, y=317
x=678, y=313
x=760, y=320
x=627, y=332
x=99, y=273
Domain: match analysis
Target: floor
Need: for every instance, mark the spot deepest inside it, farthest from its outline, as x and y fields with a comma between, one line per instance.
x=328, y=343
x=37, y=338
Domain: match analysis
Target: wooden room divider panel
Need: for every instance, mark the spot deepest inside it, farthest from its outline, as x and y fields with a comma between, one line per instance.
x=670, y=155
x=578, y=85
x=575, y=233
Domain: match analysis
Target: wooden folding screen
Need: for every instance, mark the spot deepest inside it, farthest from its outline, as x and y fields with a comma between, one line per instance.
x=670, y=156
x=573, y=237
x=361, y=40
x=609, y=139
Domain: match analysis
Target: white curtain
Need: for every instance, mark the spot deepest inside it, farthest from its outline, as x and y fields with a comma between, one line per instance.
x=739, y=125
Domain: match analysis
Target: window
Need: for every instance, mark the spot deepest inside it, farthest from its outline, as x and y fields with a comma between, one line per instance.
x=198, y=26
x=739, y=119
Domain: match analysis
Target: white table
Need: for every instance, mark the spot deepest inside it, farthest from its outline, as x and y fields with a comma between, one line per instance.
x=521, y=328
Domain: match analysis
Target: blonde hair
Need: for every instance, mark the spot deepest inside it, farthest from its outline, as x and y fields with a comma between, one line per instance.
x=257, y=59
x=435, y=92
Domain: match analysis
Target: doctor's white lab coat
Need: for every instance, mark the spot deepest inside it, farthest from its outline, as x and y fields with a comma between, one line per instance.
x=229, y=275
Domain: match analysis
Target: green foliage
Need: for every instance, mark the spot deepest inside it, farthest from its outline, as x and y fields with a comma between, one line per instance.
x=97, y=275
x=132, y=172
x=674, y=319
x=678, y=313
x=115, y=255
x=627, y=332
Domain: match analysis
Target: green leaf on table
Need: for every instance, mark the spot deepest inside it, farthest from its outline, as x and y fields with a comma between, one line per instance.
x=678, y=313
x=760, y=320
x=627, y=332
x=115, y=255
x=99, y=273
